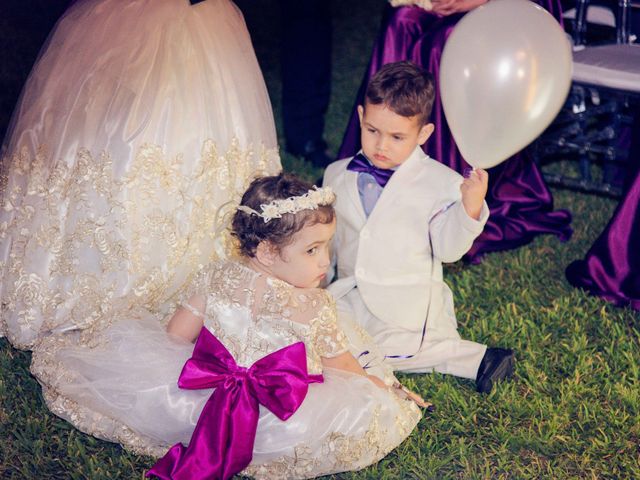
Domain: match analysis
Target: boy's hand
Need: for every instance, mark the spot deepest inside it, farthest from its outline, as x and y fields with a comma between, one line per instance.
x=474, y=189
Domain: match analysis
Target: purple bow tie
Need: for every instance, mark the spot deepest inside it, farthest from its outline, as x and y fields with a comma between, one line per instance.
x=222, y=442
x=359, y=163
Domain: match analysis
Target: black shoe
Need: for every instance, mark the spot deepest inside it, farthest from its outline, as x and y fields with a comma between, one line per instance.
x=314, y=151
x=497, y=364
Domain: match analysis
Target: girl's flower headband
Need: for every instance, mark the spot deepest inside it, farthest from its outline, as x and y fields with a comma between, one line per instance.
x=309, y=201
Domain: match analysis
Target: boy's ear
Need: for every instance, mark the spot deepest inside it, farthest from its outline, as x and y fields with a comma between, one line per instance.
x=360, y=113
x=266, y=253
x=425, y=133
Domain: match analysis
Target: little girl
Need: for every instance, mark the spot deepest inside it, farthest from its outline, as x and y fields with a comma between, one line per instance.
x=246, y=311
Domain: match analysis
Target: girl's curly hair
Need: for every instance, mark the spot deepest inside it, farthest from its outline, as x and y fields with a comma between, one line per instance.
x=249, y=230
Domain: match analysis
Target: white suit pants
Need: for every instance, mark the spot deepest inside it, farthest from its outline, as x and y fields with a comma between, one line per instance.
x=442, y=349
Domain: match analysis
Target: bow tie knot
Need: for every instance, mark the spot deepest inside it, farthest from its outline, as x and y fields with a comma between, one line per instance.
x=360, y=164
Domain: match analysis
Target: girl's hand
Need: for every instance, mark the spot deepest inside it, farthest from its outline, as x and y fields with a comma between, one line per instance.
x=404, y=392
x=474, y=189
x=449, y=7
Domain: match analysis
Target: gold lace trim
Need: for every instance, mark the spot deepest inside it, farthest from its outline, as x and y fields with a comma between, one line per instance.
x=50, y=373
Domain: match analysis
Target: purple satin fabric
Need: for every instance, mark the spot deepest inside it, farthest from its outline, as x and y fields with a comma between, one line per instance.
x=520, y=202
x=222, y=442
x=611, y=268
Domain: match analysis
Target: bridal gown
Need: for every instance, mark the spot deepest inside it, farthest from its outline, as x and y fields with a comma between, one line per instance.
x=138, y=129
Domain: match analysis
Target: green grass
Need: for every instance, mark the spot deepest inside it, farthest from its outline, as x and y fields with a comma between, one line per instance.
x=572, y=411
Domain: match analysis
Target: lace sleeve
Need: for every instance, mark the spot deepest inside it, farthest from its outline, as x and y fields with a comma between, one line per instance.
x=194, y=293
x=328, y=339
x=195, y=305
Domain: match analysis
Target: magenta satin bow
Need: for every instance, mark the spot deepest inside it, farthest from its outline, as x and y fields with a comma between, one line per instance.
x=222, y=442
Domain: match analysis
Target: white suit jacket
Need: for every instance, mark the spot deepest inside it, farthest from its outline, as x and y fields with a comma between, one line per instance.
x=388, y=256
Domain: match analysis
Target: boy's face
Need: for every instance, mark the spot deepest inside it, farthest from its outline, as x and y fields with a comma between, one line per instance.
x=388, y=139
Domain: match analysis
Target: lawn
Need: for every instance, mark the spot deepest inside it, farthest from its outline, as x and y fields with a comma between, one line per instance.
x=572, y=411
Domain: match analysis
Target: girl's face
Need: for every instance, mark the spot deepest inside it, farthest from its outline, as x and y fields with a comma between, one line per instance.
x=304, y=262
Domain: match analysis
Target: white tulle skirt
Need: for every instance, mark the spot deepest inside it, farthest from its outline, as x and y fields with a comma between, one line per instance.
x=139, y=121
x=124, y=389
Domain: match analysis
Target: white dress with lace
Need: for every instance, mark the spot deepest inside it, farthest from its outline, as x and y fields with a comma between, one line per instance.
x=139, y=120
x=124, y=388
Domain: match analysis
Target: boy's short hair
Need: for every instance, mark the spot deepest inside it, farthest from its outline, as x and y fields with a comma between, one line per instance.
x=404, y=88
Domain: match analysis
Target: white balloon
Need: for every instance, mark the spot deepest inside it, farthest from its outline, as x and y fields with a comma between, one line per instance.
x=505, y=73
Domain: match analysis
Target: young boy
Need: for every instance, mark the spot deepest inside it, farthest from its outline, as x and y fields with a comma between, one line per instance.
x=400, y=214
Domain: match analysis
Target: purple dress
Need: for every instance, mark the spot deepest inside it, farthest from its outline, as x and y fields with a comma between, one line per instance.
x=611, y=267
x=520, y=202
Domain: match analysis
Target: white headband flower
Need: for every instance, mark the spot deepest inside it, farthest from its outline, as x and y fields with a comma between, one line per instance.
x=309, y=201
